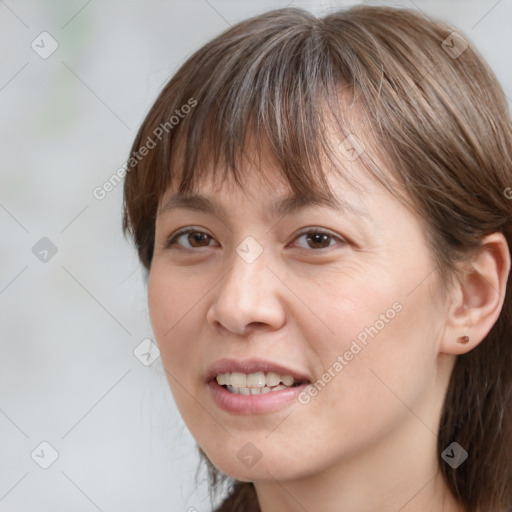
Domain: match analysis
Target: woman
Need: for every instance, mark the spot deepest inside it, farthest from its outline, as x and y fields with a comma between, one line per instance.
x=333, y=310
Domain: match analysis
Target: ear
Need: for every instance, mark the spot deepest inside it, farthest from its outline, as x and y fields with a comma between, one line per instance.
x=477, y=301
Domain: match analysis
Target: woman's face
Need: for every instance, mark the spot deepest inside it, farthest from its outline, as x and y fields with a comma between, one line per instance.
x=354, y=309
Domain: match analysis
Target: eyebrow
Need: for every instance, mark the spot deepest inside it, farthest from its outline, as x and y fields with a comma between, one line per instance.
x=285, y=206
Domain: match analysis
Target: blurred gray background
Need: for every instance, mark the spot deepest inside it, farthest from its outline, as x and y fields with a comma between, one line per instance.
x=86, y=419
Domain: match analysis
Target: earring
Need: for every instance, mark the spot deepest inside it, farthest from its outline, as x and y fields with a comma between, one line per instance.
x=463, y=340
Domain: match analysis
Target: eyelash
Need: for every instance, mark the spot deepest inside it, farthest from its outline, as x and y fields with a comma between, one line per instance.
x=175, y=236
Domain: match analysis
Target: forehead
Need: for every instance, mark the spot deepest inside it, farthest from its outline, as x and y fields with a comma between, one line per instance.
x=285, y=205
x=261, y=178
x=267, y=188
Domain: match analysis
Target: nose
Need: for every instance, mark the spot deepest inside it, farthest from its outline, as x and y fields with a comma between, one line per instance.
x=248, y=297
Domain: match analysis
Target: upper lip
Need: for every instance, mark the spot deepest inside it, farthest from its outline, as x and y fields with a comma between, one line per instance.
x=251, y=366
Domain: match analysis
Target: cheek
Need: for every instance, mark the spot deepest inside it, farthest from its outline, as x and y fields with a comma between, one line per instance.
x=377, y=349
x=171, y=306
x=171, y=300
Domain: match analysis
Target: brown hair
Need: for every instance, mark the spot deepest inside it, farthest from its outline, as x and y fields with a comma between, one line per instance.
x=439, y=122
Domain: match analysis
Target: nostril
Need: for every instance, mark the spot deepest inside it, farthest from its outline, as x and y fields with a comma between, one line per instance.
x=254, y=324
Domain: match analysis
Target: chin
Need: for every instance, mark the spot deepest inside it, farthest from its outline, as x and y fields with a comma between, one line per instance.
x=277, y=466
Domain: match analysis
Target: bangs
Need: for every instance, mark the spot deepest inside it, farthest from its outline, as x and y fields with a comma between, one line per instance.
x=273, y=88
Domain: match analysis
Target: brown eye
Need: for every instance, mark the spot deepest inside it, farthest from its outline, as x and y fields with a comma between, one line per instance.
x=318, y=239
x=192, y=237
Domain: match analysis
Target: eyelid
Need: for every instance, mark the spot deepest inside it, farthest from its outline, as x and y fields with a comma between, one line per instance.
x=318, y=229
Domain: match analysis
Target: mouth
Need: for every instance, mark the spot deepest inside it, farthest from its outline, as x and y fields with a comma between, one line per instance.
x=253, y=386
x=256, y=383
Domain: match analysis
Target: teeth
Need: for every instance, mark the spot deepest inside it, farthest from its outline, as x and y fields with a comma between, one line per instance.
x=222, y=379
x=238, y=380
x=254, y=383
x=273, y=379
x=256, y=380
x=287, y=380
x=254, y=391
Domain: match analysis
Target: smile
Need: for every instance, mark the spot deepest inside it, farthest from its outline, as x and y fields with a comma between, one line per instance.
x=255, y=383
x=253, y=386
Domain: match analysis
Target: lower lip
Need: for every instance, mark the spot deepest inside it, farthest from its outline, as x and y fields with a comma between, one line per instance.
x=253, y=404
